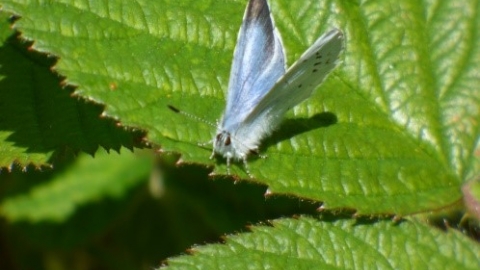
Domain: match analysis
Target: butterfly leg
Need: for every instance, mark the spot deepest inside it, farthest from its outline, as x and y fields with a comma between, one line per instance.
x=245, y=165
x=213, y=154
x=228, y=165
x=255, y=151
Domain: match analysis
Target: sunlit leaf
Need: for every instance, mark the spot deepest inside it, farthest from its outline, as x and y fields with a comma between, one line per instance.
x=393, y=130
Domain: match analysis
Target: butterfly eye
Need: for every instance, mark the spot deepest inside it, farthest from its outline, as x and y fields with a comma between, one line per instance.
x=228, y=141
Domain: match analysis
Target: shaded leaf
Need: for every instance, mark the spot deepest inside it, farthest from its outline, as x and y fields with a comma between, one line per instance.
x=89, y=179
x=39, y=120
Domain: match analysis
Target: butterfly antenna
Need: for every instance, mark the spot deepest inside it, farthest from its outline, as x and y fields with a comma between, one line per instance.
x=194, y=117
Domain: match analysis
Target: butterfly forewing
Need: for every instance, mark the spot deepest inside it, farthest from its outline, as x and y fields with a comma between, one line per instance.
x=258, y=63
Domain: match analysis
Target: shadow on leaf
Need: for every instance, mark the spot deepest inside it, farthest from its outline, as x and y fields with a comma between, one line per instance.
x=293, y=127
x=42, y=116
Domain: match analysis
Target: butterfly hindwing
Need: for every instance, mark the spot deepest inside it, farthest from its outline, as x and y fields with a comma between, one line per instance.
x=300, y=80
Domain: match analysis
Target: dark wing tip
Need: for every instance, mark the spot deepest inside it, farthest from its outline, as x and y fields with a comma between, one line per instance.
x=257, y=9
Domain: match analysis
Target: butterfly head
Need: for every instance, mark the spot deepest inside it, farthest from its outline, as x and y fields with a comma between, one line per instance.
x=231, y=147
x=223, y=144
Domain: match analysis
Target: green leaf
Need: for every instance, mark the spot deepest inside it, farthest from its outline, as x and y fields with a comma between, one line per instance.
x=39, y=120
x=89, y=179
x=308, y=243
x=393, y=130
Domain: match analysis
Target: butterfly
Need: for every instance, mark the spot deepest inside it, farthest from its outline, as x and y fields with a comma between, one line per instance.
x=261, y=89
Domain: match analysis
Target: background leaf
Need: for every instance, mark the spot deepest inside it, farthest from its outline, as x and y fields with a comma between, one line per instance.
x=88, y=180
x=308, y=243
x=393, y=130
x=123, y=232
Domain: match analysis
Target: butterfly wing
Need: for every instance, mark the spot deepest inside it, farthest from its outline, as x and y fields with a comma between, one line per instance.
x=258, y=62
x=298, y=83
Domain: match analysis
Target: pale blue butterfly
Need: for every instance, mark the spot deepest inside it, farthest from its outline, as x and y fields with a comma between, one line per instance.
x=260, y=89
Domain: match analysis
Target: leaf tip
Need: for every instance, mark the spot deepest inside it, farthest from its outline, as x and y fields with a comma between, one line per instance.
x=397, y=218
x=179, y=162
